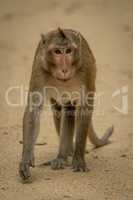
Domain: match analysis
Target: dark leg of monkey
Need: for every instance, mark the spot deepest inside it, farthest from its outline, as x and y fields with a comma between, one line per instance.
x=83, y=118
x=66, y=136
x=56, y=108
x=70, y=115
x=30, y=133
x=67, y=129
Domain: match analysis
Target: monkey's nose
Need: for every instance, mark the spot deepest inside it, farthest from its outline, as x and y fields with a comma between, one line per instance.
x=63, y=74
x=64, y=71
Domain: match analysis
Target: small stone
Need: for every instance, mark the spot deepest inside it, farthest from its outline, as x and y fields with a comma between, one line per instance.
x=127, y=28
x=66, y=196
x=47, y=178
x=7, y=16
x=106, y=170
x=5, y=133
x=25, y=58
x=3, y=188
x=95, y=157
x=123, y=155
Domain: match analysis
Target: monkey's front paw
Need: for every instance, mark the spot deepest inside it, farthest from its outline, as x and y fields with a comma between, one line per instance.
x=24, y=170
x=79, y=165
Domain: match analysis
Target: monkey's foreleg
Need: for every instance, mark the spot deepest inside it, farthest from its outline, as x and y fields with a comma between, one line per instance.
x=83, y=118
x=30, y=131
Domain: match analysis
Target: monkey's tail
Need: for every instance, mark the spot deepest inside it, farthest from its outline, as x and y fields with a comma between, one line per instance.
x=98, y=142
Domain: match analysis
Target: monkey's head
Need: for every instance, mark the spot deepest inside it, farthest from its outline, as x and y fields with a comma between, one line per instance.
x=61, y=53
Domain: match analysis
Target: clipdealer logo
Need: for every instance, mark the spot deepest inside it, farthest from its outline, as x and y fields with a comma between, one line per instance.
x=36, y=98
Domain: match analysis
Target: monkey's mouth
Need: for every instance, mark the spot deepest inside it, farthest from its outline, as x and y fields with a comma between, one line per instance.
x=63, y=79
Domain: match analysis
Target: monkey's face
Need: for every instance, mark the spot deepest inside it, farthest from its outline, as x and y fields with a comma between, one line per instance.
x=62, y=56
x=62, y=61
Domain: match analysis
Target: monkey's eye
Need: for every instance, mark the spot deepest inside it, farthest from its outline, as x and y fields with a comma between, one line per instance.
x=69, y=50
x=57, y=51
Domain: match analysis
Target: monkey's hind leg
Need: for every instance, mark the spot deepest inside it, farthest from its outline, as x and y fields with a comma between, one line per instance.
x=56, y=108
x=66, y=137
x=82, y=124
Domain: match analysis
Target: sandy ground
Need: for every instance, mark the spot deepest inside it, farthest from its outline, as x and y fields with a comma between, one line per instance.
x=108, y=27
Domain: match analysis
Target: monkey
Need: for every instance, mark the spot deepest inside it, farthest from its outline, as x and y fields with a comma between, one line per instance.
x=64, y=60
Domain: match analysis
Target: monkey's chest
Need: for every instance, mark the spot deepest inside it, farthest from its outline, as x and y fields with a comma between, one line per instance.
x=63, y=92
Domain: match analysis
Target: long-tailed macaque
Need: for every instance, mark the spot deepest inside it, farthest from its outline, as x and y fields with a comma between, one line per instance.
x=63, y=60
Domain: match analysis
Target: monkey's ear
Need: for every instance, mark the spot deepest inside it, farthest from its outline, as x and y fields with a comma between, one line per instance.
x=62, y=32
x=78, y=34
x=43, y=38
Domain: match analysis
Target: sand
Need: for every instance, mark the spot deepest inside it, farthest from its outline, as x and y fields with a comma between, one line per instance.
x=108, y=27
